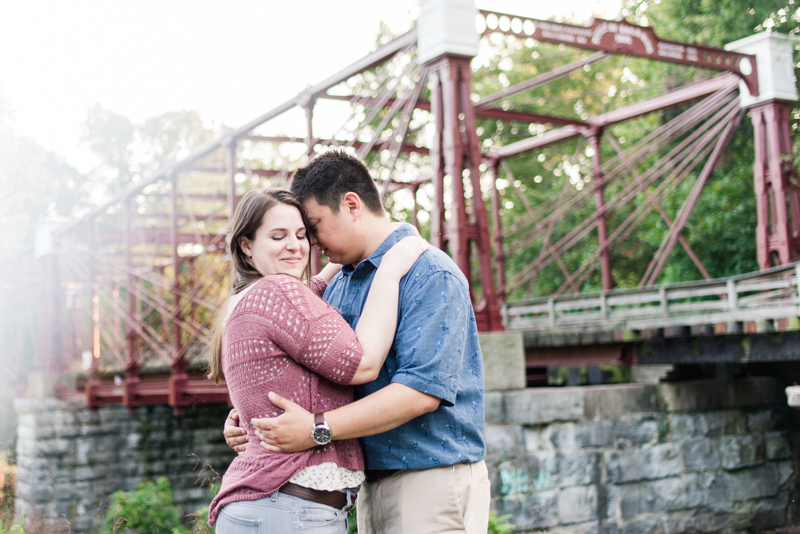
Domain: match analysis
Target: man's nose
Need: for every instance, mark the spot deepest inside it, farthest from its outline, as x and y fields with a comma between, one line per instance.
x=312, y=240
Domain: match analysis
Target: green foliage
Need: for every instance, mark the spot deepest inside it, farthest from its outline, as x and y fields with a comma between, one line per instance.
x=8, y=482
x=352, y=520
x=498, y=525
x=148, y=510
x=199, y=522
x=17, y=529
x=721, y=228
x=711, y=23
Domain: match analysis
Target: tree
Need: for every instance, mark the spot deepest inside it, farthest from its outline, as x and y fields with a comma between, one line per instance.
x=34, y=183
x=129, y=153
x=722, y=227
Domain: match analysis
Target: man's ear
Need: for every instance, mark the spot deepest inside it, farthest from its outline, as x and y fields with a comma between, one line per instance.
x=352, y=204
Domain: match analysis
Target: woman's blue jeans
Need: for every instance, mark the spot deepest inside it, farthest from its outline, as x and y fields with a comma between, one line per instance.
x=281, y=514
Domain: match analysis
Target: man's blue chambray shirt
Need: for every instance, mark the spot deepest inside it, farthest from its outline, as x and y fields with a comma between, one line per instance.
x=435, y=351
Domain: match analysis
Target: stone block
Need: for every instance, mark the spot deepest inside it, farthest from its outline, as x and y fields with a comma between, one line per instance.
x=577, y=504
x=700, y=454
x=45, y=385
x=503, y=360
x=642, y=463
x=114, y=414
x=706, y=424
x=532, y=439
x=513, y=476
x=650, y=374
x=577, y=435
x=590, y=527
x=703, y=395
x=503, y=439
x=704, y=519
x=737, y=452
x=566, y=468
x=765, y=514
x=776, y=446
x=54, y=447
x=531, y=511
x=666, y=494
x=493, y=403
x=764, y=420
x=750, y=483
x=544, y=405
x=637, y=429
x=646, y=525
x=602, y=402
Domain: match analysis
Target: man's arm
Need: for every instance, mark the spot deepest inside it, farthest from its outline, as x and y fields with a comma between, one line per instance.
x=428, y=353
x=383, y=410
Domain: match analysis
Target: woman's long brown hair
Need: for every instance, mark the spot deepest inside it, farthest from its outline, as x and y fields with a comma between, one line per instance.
x=246, y=221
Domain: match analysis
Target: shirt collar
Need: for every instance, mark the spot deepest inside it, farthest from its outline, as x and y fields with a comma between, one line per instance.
x=402, y=231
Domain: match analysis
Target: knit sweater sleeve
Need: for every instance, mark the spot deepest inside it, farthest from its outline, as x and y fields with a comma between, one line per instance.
x=318, y=285
x=303, y=326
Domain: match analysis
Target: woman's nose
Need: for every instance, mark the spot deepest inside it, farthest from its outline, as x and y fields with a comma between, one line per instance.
x=293, y=243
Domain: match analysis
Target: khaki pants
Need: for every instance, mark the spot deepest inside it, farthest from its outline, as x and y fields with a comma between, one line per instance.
x=447, y=499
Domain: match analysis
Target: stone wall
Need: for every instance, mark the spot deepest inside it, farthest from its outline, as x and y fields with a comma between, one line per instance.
x=686, y=457
x=70, y=459
x=712, y=456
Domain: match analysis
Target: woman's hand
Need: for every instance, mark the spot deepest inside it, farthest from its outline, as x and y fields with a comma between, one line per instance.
x=329, y=271
x=401, y=257
x=235, y=436
x=398, y=224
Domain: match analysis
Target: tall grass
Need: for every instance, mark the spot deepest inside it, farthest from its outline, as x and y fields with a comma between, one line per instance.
x=8, y=484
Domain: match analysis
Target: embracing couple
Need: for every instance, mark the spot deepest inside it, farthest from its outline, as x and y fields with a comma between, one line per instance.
x=379, y=386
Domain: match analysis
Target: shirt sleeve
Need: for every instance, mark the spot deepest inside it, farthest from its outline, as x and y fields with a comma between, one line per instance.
x=306, y=329
x=432, y=334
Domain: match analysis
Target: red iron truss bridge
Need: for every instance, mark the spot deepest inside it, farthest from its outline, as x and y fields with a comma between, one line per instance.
x=127, y=293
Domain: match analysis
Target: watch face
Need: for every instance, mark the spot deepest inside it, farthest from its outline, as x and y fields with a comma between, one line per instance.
x=321, y=435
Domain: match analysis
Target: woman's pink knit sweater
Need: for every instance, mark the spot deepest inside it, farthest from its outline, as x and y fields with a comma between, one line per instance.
x=281, y=337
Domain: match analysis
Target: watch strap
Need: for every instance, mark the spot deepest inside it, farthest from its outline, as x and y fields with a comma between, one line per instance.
x=319, y=418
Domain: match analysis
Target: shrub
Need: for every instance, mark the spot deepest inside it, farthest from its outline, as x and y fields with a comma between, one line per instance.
x=498, y=525
x=148, y=510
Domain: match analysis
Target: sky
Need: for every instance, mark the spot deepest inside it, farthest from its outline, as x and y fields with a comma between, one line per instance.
x=231, y=61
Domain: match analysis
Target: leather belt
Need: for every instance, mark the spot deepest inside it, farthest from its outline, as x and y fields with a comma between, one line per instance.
x=374, y=475
x=337, y=499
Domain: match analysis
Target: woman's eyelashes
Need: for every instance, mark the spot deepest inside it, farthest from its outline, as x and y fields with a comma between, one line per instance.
x=278, y=237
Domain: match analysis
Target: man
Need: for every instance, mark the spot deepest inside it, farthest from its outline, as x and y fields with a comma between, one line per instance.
x=421, y=421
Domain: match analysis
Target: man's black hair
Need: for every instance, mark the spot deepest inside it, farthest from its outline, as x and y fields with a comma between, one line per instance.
x=330, y=175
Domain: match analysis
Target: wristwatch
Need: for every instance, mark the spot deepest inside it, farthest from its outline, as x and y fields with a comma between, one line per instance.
x=321, y=433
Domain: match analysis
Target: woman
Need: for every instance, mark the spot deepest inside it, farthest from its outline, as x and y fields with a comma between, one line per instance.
x=278, y=335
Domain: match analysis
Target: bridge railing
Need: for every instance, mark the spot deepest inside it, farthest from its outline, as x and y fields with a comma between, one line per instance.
x=765, y=295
